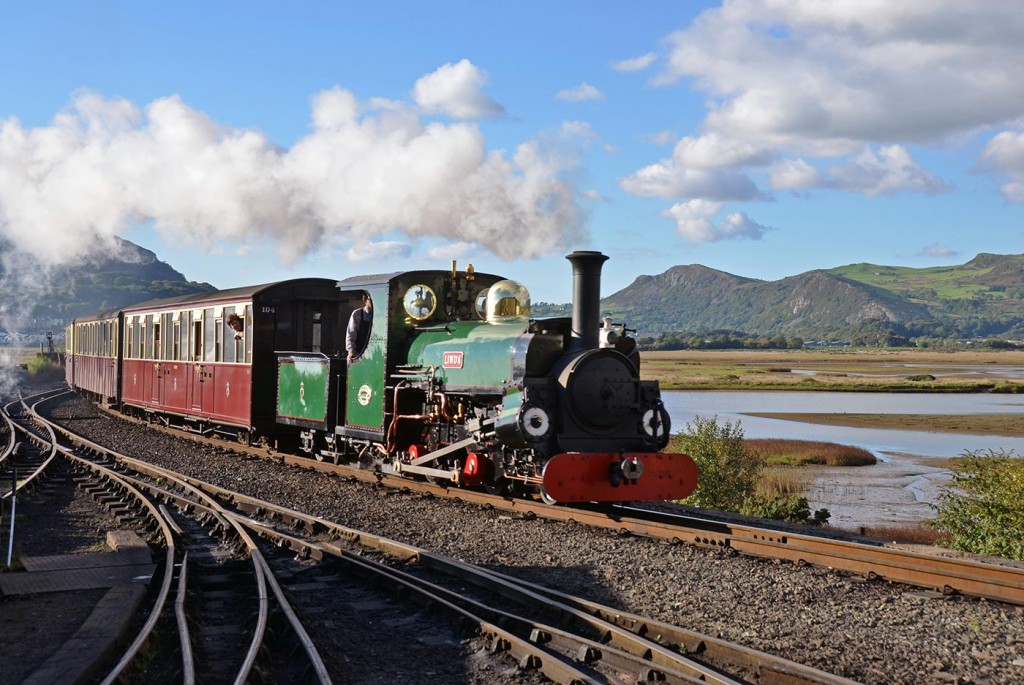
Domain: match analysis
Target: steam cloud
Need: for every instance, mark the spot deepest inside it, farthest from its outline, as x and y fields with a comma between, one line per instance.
x=364, y=172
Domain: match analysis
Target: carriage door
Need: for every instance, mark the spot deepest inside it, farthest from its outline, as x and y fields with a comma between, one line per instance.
x=156, y=385
x=199, y=371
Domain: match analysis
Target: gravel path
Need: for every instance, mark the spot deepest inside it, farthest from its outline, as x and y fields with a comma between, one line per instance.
x=875, y=632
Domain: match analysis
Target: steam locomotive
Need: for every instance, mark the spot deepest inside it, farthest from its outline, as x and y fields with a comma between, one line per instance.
x=452, y=380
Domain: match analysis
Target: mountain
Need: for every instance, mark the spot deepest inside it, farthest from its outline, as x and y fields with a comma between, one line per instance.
x=129, y=274
x=980, y=298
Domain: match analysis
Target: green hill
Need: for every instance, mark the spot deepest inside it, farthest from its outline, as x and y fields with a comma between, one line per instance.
x=984, y=297
x=131, y=274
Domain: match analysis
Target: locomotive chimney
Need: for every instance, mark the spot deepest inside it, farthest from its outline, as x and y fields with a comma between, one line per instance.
x=586, y=298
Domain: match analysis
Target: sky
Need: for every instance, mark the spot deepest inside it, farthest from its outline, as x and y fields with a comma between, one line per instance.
x=250, y=142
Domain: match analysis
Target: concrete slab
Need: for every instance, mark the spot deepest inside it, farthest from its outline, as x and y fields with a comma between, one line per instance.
x=96, y=642
x=75, y=579
x=127, y=557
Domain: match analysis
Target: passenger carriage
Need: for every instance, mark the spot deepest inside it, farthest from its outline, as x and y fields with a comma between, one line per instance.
x=92, y=354
x=184, y=365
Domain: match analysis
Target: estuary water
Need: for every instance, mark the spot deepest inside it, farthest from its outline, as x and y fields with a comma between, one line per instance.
x=733, y=406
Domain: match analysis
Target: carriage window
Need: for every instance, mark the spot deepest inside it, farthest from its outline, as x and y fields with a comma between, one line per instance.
x=218, y=329
x=176, y=352
x=156, y=340
x=230, y=343
x=168, y=327
x=420, y=302
x=137, y=331
x=197, y=340
x=186, y=331
x=209, y=345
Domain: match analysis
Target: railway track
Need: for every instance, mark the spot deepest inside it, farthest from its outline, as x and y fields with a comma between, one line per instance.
x=568, y=639
x=216, y=590
x=872, y=560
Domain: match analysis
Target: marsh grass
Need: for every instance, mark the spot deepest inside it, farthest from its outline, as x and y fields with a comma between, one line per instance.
x=910, y=533
x=780, y=452
x=782, y=482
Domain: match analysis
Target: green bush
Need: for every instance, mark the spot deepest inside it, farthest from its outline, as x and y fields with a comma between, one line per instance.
x=42, y=369
x=983, y=507
x=727, y=471
x=791, y=508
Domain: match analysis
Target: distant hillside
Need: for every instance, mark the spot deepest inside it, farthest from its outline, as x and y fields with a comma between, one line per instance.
x=984, y=297
x=133, y=274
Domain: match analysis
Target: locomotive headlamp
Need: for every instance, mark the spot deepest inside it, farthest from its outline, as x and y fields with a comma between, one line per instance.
x=534, y=422
x=420, y=302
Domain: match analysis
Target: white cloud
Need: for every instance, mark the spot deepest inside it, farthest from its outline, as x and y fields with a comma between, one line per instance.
x=1004, y=154
x=662, y=137
x=578, y=129
x=937, y=251
x=595, y=196
x=794, y=174
x=385, y=249
x=635, y=63
x=853, y=70
x=713, y=151
x=890, y=171
x=454, y=89
x=668, y=181
x=835, y=95
x=695, y=221
x=456, y=250
x=361, y=174
x=582, y=92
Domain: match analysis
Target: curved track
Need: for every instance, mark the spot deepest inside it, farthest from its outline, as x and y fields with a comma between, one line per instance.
x=568, y=639
x=945, y=574
x=205, y=527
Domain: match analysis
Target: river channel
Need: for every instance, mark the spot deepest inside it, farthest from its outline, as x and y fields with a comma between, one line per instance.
x=734, y=406
x=911, y=475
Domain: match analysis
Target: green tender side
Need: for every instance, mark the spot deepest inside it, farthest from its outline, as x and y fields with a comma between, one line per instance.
x=470, y=355
x=302, y=388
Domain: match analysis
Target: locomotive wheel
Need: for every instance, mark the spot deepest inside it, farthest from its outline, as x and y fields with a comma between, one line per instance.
x=544, y=496
x=499, y=487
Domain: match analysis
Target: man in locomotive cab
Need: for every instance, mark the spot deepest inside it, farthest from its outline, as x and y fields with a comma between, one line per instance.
x=357, y=335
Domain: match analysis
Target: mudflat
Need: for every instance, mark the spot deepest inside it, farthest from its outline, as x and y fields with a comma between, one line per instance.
x=862, y=369
x=975, y=424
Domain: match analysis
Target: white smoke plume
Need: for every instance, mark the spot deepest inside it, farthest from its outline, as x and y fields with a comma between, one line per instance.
x=363, y=172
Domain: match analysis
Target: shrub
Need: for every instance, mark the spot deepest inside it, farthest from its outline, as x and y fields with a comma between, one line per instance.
x=783, y=508
x=983, y=507
x=727, y=471
x=43, y=370
x=921, y=377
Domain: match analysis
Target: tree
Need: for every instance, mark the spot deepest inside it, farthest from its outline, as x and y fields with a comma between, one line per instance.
x=727, y=471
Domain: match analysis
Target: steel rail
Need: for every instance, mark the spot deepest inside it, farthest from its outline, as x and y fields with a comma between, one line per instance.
x=921, y=569
x=620, y=643
x=263, y=574
x=625, y=647
x=25, y=483
x=188, y=662
x=165, y=587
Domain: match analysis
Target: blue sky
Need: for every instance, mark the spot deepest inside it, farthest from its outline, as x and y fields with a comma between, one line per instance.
x=248, y=142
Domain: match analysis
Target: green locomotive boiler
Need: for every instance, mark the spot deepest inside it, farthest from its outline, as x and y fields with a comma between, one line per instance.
x=453, y=381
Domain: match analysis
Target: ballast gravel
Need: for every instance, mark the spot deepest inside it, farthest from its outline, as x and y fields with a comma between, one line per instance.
x=869, y=631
